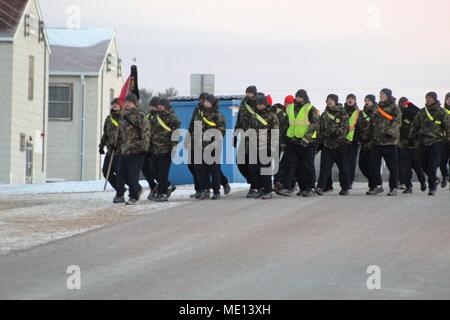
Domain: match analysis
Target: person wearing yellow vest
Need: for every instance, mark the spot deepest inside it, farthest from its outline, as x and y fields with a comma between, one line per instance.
x=385, y=135
x=444, y=166
x=161, y=146
x=332, y=141
x=431, y=128
x=208, y=174
x=301, y=144
x=110, y=130
x=351, y=107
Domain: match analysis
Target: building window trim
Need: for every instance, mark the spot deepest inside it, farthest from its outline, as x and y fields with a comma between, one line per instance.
x=69, y=102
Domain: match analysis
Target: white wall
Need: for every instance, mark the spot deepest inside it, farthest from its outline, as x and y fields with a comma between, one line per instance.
x=28, y=115
x=5, y=98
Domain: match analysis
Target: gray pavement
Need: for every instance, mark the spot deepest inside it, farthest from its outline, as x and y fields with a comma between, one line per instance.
x=287, y=248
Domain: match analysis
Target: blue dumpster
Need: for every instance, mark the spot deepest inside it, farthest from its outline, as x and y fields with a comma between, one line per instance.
x=229, y=107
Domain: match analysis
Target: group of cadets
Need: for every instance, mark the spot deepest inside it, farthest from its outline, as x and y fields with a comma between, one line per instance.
x=406, y=137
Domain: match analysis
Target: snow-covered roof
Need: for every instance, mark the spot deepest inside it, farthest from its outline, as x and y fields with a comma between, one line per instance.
x=78, y=38
x=78, y=51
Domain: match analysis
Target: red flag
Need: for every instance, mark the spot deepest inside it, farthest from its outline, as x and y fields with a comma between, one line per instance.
x=130, y=86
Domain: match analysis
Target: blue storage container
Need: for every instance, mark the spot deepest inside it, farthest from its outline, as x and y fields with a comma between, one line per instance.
x=229, y=107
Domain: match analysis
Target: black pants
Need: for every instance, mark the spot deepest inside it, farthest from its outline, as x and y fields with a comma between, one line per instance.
x=365, y=156
x=114, y=179
x=328, y=158
x=410, y=159
x=244, y=169
x=208, y=177
x=445, y=161
x=431, y=158
x=149, y=170
x=129, y=171
x=162, y=163
x=352, y=152
x=262, y=181
x=223, y=179
x=301, y=161
x=390, y=155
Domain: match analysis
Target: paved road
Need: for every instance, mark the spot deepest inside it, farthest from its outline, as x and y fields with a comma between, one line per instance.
x=293, y=248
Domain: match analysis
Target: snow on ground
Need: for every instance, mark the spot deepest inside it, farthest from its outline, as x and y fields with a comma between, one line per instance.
x=32, y=215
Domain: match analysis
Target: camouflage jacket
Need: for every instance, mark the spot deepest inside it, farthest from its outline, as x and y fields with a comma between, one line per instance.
x=387, y=120
x=163, y=124
x=265, y=120
x=408, y=115
x=429, y=131
x=363, y=126
x=110, y=130
x=284, y=126
x=334, y=128
x=134, y=136
x=243, y=118
x=208, y=119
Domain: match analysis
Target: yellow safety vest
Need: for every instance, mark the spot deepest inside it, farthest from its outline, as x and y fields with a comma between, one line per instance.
x=299, y=126
x=352, y=123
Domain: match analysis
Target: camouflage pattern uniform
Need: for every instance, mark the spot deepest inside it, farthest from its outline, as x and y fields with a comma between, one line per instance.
x=385, y=135
x=161, y=141
x=432, y=134
x=110, y=130
x=334, y=127
x=134, y=136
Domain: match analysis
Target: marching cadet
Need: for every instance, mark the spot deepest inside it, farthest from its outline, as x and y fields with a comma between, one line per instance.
x=223, y=179
x=283, y=121
x=431, y=128
x=263, y=121
x=351, y=107
x=208, y=174
x=333, y=140
x=134, y=143
x=385, y=134
x=363, y=133
x=148, y=167
x=409, y=150
x=246, y=111
x=446, y=150
x=165, y=123
x=109, y=140
x=302, y=142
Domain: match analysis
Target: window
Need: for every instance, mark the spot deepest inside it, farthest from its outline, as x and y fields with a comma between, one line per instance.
x=60, y=102
x=31, y=78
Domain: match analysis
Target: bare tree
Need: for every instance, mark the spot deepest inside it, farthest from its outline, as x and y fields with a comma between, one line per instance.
x=168, y=93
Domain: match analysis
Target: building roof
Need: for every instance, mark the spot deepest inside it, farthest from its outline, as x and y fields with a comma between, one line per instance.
x=78, y=51
x=11, y=12
x=220, y=98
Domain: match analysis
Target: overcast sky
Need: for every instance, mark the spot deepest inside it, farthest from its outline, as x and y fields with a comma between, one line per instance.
x=323, y=46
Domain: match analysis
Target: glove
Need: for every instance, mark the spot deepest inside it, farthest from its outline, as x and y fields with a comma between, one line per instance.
x=101, y=149
x=304, y=143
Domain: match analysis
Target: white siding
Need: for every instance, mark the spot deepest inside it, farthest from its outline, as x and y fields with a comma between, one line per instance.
x=28, y=116
x=65, y=136
x=5, y=98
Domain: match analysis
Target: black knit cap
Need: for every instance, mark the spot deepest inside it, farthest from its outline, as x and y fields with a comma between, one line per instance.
x=211, y=99
x=165, y=103
x=387, y=92
x=302, y=94
x=333, y=97
x=402, y=101
x=371, y=97
x=203, y=96
x=262, y=100
x=154, y=102
x=252, y=89
x=114, y=101
x=351, y=96
x=131, y=98
x=432, y=95
x=447, y=96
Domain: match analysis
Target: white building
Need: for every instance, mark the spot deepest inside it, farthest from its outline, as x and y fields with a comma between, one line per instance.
x=24, y=59
x=85, y=75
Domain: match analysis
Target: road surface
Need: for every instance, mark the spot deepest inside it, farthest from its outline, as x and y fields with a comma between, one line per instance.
x=288, y=248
